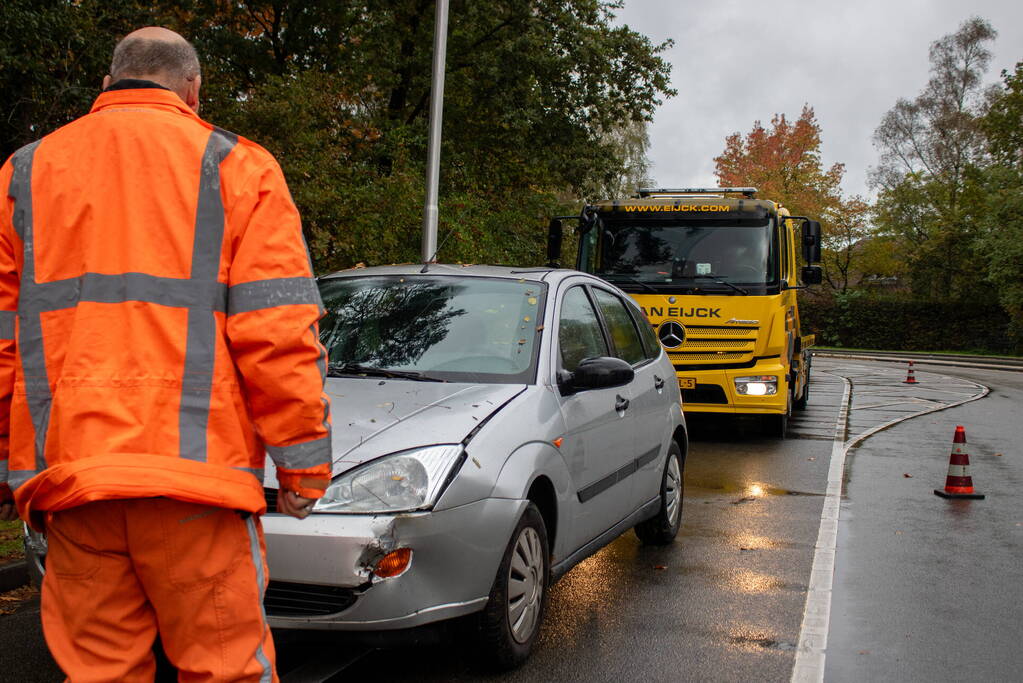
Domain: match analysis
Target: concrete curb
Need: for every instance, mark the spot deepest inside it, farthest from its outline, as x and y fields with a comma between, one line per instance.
x=13, y=575
x=921, y=360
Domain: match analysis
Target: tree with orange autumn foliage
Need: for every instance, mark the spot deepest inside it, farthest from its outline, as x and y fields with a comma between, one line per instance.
x=784, y=164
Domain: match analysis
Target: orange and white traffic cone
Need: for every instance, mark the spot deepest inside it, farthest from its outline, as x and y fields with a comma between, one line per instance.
x=910, y=379
x=958, y=483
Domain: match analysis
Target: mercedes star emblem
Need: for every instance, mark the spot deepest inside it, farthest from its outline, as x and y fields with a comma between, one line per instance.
x=671, y=334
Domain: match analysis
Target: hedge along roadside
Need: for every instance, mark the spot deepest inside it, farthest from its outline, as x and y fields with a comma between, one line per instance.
x=864, y=323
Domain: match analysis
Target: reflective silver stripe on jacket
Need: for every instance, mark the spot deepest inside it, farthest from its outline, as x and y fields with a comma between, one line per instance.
x=30, y=329
x=15, y=478
x=257, y=559
x=302, y=455
x=201, y=341
x=261, y=294
x=7, y=325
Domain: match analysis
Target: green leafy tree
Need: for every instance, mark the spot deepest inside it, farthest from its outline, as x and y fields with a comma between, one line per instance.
x=339, y=91
x=932, y=148
x=1001, y=242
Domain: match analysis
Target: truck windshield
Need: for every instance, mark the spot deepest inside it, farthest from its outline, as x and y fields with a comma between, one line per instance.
x=699, y=254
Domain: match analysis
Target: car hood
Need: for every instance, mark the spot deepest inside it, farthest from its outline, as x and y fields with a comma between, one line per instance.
x=373, y=417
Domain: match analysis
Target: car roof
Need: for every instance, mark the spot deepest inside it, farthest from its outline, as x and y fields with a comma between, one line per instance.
x=531, y=273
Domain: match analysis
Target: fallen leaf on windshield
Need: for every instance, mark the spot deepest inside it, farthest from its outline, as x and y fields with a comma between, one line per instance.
x=907, y=476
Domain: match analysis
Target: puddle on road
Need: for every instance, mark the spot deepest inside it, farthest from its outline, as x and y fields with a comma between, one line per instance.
x=750, y=490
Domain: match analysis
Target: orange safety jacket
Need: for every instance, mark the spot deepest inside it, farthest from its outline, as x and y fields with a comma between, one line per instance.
x=158, y=315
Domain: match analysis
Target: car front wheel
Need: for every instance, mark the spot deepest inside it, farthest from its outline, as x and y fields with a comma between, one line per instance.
x=509, y=624
x=662, y=528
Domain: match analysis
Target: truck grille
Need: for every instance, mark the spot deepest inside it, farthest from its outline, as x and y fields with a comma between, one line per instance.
x=284, y=599
x=713, y=344
x=685, y=358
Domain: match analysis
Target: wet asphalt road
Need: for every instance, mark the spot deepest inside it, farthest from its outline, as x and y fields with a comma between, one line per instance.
x=924, y=588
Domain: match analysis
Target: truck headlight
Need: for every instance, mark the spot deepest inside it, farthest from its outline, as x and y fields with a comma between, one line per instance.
x=400, y=482
x=760, y=385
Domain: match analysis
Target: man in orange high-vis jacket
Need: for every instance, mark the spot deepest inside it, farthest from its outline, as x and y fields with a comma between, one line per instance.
x=158, y=337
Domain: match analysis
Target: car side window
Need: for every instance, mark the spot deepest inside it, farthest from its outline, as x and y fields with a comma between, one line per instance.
x=623, y=331
x=579, y=333
x=646, y=331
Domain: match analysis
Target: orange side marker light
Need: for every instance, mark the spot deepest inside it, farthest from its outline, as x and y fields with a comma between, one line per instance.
x=394, y=563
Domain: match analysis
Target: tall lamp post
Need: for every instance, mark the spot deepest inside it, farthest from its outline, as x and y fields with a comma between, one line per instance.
x=440, y=42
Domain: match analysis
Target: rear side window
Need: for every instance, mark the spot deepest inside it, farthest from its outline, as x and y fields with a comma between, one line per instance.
x=623, y=331
x=579, y=334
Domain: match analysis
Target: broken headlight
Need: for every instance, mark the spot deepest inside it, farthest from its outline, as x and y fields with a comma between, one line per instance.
x=400, y=482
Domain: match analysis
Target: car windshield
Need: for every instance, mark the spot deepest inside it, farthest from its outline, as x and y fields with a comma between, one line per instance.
x=458, y=329
x=688, y=252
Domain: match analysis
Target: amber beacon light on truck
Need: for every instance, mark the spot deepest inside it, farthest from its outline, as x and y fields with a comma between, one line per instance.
x=716, y=271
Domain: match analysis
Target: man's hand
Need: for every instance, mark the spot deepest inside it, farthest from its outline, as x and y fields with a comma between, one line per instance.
x=290, y=503
x=8, y=513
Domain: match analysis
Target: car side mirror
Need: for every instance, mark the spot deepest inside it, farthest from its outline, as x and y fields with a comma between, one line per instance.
x=596, y=373
x=811, y=275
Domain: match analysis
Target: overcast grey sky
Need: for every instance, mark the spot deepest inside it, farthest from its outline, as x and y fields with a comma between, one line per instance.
x=737, y=61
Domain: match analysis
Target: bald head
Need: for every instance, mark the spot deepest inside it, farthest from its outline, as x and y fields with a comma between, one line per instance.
x=160, y=55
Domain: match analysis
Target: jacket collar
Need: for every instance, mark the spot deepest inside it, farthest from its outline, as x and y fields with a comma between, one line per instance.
x=156, y=98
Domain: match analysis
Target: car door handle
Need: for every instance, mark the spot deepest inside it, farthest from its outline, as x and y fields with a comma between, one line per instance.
x=658, y=382
x=621, y=404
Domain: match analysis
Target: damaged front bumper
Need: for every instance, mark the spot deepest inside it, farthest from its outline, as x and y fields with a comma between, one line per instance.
x=321, y=568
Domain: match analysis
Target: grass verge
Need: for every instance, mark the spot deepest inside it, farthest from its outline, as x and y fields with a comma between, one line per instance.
x=11, y=547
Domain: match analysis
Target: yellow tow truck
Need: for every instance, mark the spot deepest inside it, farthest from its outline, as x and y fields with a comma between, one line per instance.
x=716, y=272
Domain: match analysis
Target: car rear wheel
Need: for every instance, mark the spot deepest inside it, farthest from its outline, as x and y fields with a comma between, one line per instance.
x=662, y=528
x=509, y=624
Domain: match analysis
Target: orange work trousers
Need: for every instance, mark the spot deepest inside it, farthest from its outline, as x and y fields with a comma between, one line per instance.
x=119, y=571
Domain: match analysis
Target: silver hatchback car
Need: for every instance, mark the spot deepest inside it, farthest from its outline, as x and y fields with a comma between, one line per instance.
x=493, y=427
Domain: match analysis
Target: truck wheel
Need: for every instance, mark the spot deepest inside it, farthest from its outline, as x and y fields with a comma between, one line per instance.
x=509, y=624
x=777, y=425
x=800, y=403
x=662, y=528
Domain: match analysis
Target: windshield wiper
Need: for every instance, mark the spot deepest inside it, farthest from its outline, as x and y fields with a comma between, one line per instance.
x=349, y=369
x=632, y=280
x=715, y=280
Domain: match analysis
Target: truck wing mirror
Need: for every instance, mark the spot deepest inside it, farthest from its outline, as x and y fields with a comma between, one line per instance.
x=811, y=275
x=554, y=233
x=811, y=242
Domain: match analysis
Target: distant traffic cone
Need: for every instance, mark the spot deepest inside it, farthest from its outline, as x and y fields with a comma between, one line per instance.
x=910, y=379
x=958, y=483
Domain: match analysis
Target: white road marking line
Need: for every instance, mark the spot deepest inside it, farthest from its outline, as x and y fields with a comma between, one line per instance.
x=813, y=633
